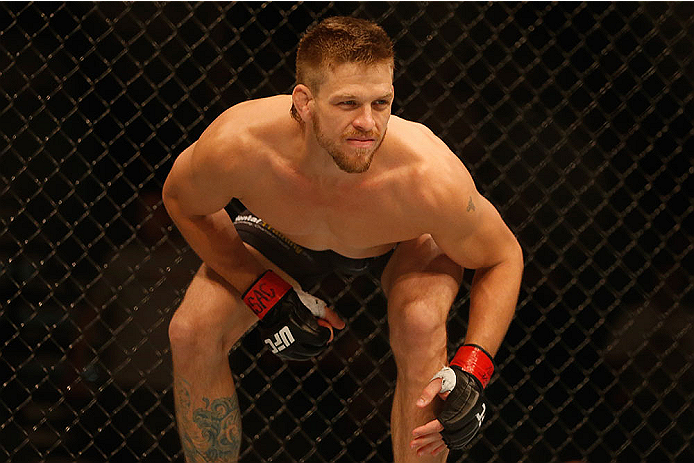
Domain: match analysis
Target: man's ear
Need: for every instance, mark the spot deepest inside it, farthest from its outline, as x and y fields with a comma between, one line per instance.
x=302, y=99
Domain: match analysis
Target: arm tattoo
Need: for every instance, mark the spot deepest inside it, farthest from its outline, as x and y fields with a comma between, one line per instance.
x=470, y=205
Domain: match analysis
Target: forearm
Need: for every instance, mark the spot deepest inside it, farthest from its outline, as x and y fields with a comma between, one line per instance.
x=493, y=299
x=214, y=238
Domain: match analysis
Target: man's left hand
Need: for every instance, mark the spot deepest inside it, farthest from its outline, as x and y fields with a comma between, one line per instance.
x=426, y=439
x=460, y=386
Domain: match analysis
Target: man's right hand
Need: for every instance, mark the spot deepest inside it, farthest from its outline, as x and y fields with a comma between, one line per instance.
x=290, y=329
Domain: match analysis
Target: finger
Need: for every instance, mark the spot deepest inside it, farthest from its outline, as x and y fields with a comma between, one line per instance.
x=439, y=449
x=333, y=318
x=432, y=427
x=424, y=440
x=429, y=392
x=326, y=324
x=321, y=338
x=429, y=448
x=312, y=332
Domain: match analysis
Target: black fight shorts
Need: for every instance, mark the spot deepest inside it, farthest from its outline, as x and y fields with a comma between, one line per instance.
x=306, y=266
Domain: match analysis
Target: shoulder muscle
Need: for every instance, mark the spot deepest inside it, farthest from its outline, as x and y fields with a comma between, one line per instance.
x=463, y=223
x=208, y=174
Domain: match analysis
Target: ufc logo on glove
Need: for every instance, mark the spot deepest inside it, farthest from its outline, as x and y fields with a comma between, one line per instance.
x=287, y=324
x=283, y=339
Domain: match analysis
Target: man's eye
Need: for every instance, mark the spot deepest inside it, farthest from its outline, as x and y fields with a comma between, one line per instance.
x=348, y=103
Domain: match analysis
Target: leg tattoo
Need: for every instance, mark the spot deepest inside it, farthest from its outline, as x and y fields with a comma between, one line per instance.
x=218, y=423
x=216, y=435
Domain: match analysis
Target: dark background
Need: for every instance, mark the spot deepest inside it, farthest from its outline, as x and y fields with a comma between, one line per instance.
x=575, y=119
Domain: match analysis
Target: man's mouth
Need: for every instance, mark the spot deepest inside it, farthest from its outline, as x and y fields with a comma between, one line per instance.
x=361, y=142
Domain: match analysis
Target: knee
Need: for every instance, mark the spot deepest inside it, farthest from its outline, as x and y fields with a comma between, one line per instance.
x=418, y=336
x=210, y=319
x=184, y=332
x=191, y=335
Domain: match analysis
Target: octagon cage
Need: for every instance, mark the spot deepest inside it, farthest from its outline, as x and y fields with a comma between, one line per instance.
x=575, y=120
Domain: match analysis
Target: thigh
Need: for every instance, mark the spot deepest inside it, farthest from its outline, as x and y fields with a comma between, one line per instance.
x=420, y=274
x=212, y=311
x=214, y=307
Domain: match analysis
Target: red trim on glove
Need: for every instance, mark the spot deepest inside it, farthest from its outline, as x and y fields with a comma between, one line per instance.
x=475, y=361
x=265, y=293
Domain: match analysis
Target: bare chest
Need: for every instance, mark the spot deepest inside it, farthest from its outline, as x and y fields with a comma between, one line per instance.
x=356, y=220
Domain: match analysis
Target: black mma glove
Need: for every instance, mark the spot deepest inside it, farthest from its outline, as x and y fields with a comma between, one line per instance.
x=286, y=324
x=464, y=408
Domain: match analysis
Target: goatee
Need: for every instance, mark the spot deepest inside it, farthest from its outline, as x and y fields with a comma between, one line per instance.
x=356, y=161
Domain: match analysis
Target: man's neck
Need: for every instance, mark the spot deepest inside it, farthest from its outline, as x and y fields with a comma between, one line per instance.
x=317, y=164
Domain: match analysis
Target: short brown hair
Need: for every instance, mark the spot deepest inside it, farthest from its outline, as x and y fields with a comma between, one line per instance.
x=338, y=40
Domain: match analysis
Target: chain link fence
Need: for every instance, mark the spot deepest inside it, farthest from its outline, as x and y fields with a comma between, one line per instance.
x=575, y=119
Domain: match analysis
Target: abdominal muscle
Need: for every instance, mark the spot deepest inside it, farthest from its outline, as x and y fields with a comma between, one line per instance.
x=347, y=251
x=316, y=234
x=359, y=233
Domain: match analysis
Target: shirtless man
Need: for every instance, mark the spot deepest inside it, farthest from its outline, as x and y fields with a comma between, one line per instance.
x=336, y=179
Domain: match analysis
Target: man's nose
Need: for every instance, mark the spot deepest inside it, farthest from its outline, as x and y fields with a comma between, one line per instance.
x=364, y=120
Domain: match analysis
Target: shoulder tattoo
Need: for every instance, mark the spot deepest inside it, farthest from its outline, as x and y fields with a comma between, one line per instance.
x=470, y=205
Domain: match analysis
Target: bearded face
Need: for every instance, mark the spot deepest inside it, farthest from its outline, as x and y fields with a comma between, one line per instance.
x=351, y=111
x=353, y=150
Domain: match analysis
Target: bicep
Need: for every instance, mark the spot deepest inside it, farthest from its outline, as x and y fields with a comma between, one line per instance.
x=473, y=234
